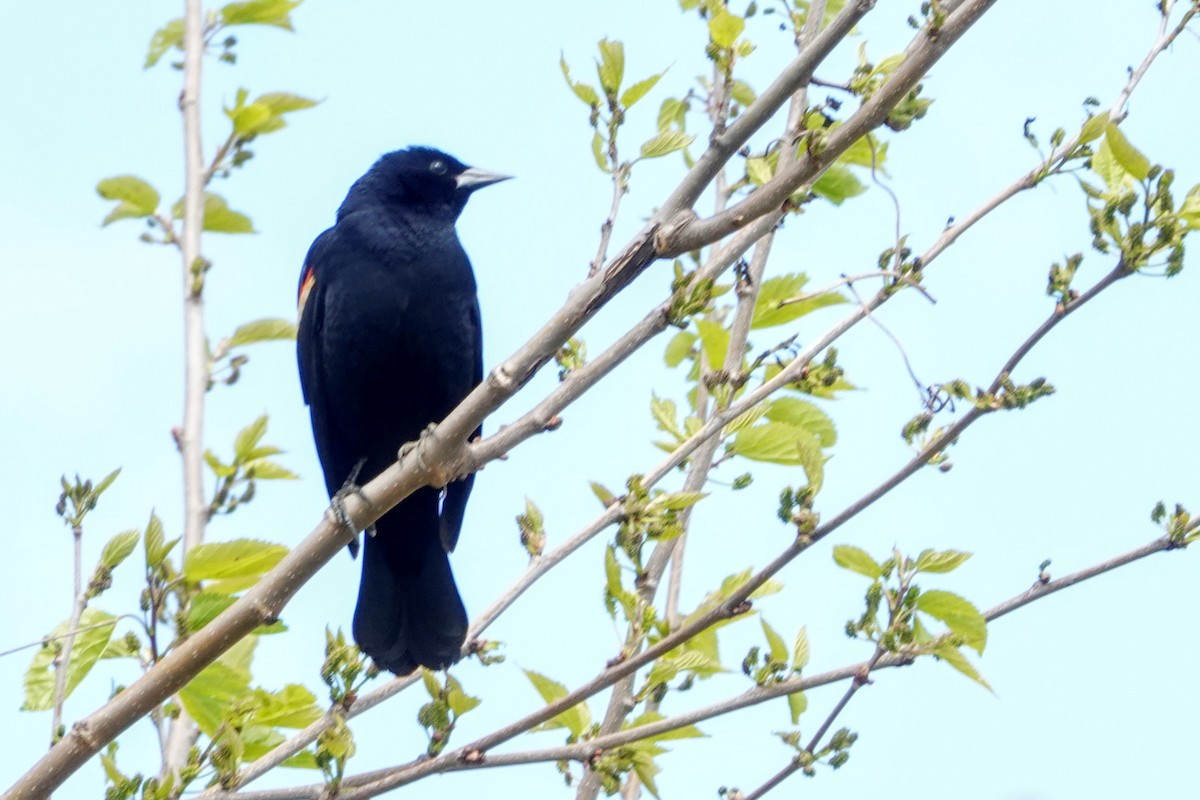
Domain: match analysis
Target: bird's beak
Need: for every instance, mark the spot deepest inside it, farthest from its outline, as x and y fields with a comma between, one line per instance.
x=475, y=178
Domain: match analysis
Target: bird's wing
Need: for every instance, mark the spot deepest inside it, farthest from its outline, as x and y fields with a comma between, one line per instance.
x=454, y=503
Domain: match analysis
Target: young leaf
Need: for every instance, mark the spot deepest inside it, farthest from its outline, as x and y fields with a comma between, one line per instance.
x=234, y=559
x=611, y=67
x=260, y=12
x=248, y=438
x=838, y=184
x=959, y=615
x=166, y=37
x=855, y=559
x=800, y=651
x=135, y=197
x=584, y=92
x=714, y=338
x=263, y=330
x=220, y=218
x=666, y=415
x=768, y=311
x=679, y=348
x=725, y=28
x=1126, y=154
x=667, y=141
x=119, y=548
x=210, y=694
x=1094, y=128
x=576, y=719
x=797, y=704
x=803, y=414
x=639, y=90
x=954, y=658
x=156, y=548
x=941, y=561
x=91, y=639
x=778, y=649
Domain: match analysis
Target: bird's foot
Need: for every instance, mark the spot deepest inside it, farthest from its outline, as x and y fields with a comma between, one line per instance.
x=414, y=448
x=337, y=504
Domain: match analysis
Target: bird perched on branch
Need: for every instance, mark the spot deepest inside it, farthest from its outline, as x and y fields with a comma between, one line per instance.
x=389, y=342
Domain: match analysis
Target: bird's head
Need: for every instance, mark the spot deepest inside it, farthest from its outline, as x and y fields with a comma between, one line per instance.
x=421, y=179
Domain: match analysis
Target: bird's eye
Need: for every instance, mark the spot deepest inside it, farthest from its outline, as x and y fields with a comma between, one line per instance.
x=437, y=167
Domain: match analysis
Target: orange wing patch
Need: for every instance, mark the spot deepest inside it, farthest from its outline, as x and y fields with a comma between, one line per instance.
x=306, y=285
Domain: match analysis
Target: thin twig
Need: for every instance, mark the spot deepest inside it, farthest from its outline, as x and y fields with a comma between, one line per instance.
x=63, y=661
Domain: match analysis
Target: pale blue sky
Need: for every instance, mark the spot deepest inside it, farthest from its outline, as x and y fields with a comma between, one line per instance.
x=1093, y=697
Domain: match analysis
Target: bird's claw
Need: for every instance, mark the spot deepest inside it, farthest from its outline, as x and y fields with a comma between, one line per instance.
x=414, y=448
x=337, y=504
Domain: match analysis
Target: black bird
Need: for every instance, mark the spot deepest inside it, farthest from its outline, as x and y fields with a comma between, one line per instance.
x=389, y=342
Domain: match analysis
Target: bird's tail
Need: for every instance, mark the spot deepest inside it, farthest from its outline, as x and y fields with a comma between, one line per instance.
x=409, y=613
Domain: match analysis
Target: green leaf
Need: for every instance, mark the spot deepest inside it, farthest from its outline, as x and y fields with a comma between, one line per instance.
x=605, y=497
x=958, y=614
x=697, y=662
x=759, y=170
x=122, y=647
x=747, y=418
x=767, y=309
x=742, y=93
x=156, y=548
x=119, y=548
x=293, y=706
x=666, y=142
x=778, y=648
x=941, y=560
x=666, y=415
x=105, y=482
x=855, y=559
x=204, y=607
x=208, y=695
x=459, y=701
x=725, y=28
x=166, y=37
x=684, y=732
x=672, y=111
x=640, y=89
x=219, y=468
x=679, y=348
x=260, y=12
x=803, y=414
x=284, y=103
x=838, y=184
x=599, y=153
x=135, y=197
x=263, y=330
x=220, y=218
x=265, y=470
x=1128, y=156
x=797, y=704
x=714, y=339
x=950, y=654
x=89, y=644
x=675, y=501
x=234, y=559
x=611, y=67
x=1094, y=128
x=1189, y=210
x=1105, y=164
x=248, y=438
x=800, y=652
x=780, y=443
x=576, y=719
x=584, y=92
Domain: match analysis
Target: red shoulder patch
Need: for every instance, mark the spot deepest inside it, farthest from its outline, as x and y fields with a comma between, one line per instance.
x=306, y=285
